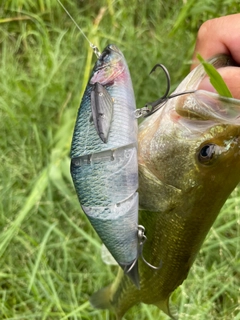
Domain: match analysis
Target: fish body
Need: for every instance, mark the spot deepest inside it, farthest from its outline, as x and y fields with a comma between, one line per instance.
x=104, y=165
x=189, y=163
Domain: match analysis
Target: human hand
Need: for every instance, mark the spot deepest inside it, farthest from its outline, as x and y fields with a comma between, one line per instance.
x=216, y=36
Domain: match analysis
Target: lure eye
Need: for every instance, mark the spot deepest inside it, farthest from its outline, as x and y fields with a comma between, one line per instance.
x=206, y=153
x=105, y=54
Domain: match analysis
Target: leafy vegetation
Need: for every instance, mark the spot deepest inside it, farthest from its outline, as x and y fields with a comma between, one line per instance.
x=50, y=256
x=215, y=78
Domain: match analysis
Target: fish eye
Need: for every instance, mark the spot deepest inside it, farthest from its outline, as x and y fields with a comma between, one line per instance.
x=206, y=153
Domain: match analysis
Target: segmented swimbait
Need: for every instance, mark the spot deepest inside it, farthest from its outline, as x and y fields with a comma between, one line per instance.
x=104, y=164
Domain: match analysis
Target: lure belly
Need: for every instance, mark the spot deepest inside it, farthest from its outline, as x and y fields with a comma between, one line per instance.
x=104, y=164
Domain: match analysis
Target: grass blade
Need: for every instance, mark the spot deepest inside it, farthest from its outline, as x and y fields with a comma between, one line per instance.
x=39, y=256
x=215, y=78
x=32, y=199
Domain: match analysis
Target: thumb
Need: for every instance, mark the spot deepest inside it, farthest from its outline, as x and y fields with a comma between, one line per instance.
x=231, y=76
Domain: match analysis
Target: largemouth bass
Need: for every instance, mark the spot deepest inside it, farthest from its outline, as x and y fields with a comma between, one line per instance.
x=104, y=164
x=189, y=163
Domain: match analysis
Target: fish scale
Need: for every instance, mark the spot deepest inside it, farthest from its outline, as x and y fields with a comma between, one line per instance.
x=102, y=183
x=126, y=215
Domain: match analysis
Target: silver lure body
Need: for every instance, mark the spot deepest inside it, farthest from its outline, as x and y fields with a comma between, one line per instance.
x=104, y=164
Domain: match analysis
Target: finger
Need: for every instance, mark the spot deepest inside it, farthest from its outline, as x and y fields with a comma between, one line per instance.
x=231, y=76
x=219, y=35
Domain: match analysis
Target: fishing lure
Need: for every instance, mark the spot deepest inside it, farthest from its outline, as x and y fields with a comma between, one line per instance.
x=104, y=165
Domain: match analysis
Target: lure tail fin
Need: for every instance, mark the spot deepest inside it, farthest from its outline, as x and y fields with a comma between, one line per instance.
x=101, y=298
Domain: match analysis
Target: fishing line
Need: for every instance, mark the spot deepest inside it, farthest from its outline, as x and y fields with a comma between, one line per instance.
x=95, y=48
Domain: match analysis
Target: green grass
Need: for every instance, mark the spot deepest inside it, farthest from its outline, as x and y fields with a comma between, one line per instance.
x=50, y=256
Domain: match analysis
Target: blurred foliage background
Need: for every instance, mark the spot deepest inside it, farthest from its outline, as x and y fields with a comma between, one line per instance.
x=50, y=256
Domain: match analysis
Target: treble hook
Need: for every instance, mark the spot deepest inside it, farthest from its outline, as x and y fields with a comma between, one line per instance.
x=142, y=239
x=164, y=97
x=152, y=107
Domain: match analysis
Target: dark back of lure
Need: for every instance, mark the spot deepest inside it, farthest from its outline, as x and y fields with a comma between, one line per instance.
x=104, y=164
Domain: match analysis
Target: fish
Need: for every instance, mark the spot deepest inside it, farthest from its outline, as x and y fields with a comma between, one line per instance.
x=189, y=163
x=103, y=155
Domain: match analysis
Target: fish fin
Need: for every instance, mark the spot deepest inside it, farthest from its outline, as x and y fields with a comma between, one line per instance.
x=166, y=308
x=101, y=298
x=102, y=110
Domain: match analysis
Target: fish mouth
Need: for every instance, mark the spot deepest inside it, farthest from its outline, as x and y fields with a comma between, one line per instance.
x=208, y=107
x=203, y=106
